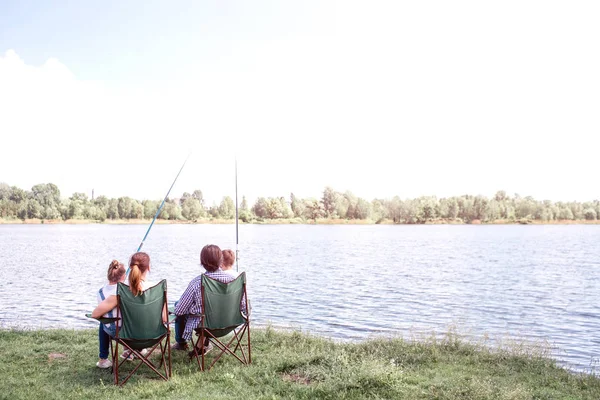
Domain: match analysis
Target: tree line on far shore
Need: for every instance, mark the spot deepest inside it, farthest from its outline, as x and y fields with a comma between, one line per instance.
x=44, y=202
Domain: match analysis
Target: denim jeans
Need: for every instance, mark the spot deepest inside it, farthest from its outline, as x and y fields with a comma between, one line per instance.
x=179, y=326
x=104, y=340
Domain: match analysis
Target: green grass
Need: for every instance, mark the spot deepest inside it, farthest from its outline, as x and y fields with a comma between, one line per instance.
x=292, y=365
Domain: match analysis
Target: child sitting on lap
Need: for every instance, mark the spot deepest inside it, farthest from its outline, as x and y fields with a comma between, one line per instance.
x=228, y=261
x=115, y=274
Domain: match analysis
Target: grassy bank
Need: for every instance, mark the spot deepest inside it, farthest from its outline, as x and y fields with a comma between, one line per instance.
x=60, y=365
x=322, y=221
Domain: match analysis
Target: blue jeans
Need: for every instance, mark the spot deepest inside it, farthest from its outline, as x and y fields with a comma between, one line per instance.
x=104, y=340
x=179, y=327
x=104, y=335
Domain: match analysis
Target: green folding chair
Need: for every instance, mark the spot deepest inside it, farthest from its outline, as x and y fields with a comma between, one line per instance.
x=141, y=327
x=225, y=310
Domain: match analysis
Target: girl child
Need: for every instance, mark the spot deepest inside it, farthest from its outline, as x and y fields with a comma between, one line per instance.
x=115, y=274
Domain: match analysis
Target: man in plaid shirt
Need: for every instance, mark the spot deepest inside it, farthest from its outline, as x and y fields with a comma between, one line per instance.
x=190, y=302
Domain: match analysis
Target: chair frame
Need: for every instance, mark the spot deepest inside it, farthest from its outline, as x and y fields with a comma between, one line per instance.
x=239, y=331
x=164, y=346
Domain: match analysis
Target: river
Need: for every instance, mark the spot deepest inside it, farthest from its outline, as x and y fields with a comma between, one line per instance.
x=539, y=284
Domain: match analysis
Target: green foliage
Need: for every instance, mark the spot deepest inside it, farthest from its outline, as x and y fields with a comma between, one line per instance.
x=245, y=214
x=589, y=214
x=59, y=364
x=44, y=202
x=227, y=208
x=171, y=211
x=191, y=209
x=329, y=201
x=260, y=208
x=150, y=207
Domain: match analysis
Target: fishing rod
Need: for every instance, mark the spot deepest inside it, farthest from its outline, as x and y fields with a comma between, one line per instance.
x=237, y=252
x=160, y=208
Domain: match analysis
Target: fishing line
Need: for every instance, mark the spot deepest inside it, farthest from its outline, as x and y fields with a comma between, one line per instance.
x=237, y=252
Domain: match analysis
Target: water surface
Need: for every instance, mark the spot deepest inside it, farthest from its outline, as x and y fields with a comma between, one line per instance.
x=538, y=283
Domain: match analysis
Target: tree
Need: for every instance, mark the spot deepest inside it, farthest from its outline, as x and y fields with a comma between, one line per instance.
x=480, y=207
x=297, y=206
x=379, y=210
x=227, y=208
x=34, y=209
x=329, y=201
x=244, y=213
x=137, y=209
x=77, y=206
x=112, y=211
x=184, y=197
x=346, y=205
x=465, y=206
x=313, y=209
x=192, y=209
x=589, y=214
x=150, y=207
x=363, y=209
x=453, y=208
x=125, y=207
x=101, y=202
x=286, y=211
x=492, y=212
x=47, y=194
x=5, y=191
x=565, y=213
x=260, y=208
x=428, y=209
x=171, y=211
x=500, y=196
x=410, y=212
x=394, y=207
x=197, y=194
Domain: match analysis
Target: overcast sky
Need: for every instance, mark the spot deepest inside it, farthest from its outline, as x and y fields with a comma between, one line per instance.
x=381, y=98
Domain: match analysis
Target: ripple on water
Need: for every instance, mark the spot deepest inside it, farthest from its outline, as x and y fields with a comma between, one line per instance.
x=535, y=283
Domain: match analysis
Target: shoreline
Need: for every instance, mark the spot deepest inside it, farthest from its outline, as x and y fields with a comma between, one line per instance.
x=291, y=221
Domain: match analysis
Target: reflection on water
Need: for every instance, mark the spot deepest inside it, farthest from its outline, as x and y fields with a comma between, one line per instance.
x=538, y=283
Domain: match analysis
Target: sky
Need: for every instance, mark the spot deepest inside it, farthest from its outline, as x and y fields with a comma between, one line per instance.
x=381, y=98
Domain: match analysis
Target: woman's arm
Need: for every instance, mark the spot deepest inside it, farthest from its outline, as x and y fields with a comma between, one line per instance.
x=107, y=304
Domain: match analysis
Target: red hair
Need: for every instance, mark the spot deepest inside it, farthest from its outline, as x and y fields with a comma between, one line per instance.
x=139, y=263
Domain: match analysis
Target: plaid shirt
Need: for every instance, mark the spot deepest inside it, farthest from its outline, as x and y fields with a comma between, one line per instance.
x=191, y=300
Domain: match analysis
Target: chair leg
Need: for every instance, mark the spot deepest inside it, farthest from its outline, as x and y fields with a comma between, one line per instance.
x=145, y=361
x=116, y=362
x=169, y=350
x=225, y=348
x=201, y=341
x=249, y=348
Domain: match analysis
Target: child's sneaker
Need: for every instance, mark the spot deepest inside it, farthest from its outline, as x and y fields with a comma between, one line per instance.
x=127, y=355
x=104, y=363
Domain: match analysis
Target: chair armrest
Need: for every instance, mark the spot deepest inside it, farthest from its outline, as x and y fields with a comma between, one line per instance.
x=172, y=315
x=104, y=320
